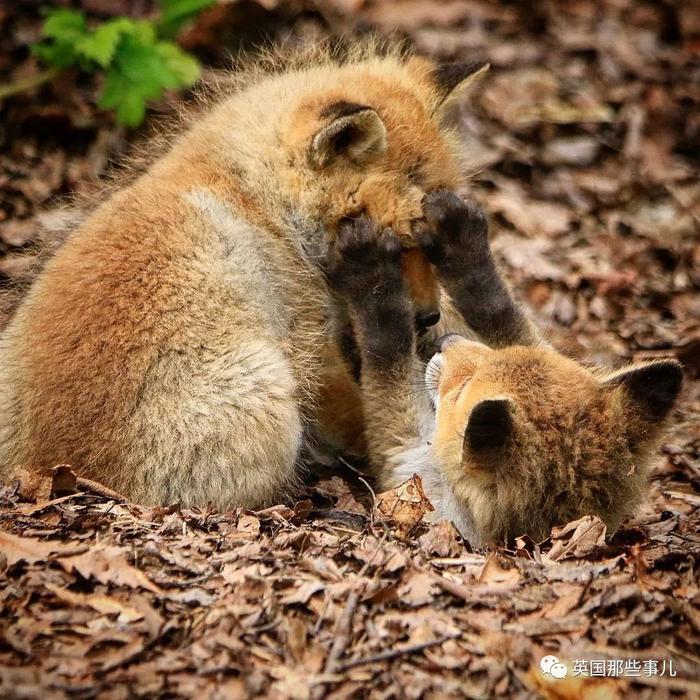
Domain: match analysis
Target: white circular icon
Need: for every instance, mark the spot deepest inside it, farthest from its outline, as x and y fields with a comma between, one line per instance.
x=558, y=671
x=551, y=665
x=547, y=662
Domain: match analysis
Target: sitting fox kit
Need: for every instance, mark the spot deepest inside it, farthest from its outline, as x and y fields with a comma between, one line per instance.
x=187, y=339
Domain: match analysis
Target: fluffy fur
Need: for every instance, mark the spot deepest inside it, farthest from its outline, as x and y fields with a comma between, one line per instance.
x=182, y=342
x=575, y=441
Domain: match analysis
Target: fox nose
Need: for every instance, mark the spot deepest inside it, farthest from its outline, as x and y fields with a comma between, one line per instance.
x=425, y=319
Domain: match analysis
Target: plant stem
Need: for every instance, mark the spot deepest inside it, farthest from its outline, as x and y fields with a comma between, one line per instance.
x=28, y=83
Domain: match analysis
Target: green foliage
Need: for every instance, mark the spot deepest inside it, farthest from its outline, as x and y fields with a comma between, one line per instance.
x=138, y=58
x=176, y=13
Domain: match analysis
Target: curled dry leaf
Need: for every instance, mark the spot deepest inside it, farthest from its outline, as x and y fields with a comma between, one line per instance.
x=576, y=539
x=495, y=574
x=442, y=540
x=405, y=505
x=33, y=485
x=338, y=489
x=63, y=480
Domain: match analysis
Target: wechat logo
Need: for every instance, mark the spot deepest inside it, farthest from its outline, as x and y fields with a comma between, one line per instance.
x=550, y=665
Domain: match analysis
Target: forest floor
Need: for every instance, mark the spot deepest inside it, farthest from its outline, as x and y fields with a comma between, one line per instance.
x=583, y=143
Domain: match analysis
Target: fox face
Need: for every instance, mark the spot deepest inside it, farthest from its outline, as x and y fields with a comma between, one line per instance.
x=370, y=139
x=527, y=439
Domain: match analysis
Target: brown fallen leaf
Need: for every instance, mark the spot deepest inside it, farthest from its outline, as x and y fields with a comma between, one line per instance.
x=576, y=539
x=405, y=505
x=303, y=593
x=494, y=574
x=529, y=216
x=108, y=564
x=248, y=524
x=33, y=485
x=63, y=481
x=442, y=539
x=31, y=550
x=337, y=488
x=564, y=604
x=416, y=588
x=102, y=603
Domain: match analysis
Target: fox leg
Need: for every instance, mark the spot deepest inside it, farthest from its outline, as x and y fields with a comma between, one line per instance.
x=455, y=240
x=364, y=267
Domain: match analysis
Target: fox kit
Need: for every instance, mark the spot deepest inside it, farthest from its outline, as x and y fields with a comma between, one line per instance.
x=182, y=343
x=518, y=438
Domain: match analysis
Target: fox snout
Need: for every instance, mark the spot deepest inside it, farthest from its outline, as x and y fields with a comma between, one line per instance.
x=423, y=288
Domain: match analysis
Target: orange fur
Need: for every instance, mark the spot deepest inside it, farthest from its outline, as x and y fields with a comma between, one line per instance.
x=422, y=282
x=581, y=441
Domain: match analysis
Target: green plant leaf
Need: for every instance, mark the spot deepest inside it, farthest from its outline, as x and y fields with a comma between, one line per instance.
x=138, y=65
x=100, y=45
x=175, y=13
x=143, y=67
x=64, y=25
x=57, y=55
x=144, y=32
x=131, y=110
x=183, y=66
x=64, y=30
x=122, y=95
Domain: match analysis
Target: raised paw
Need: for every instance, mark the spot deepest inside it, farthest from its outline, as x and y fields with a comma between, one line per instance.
x=364, y=260
x=454, y=231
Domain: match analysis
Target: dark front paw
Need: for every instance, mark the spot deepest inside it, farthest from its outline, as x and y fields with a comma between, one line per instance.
x=364, y=266
x=364, y=262
x=455, y=232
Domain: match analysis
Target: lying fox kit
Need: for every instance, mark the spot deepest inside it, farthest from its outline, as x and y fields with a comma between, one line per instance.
x=519, y=438
x=525, y=439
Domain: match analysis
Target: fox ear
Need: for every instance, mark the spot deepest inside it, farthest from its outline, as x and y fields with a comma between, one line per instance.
x=451, y=78
x=490, y=426
x=651, y=389
x=355, y=133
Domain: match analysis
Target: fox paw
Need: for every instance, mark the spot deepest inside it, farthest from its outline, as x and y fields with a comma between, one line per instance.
x=364, y=260
x=454, y=230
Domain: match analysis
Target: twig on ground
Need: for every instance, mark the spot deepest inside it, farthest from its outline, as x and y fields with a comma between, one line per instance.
x=11, y=89
x=342, y=638
x=391, y=654
x=98, y=489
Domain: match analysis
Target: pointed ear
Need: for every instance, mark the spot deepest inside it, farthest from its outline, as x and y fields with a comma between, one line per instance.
x=490, y=426
x=651, y=388
x=354, y=132
x=451, y=78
